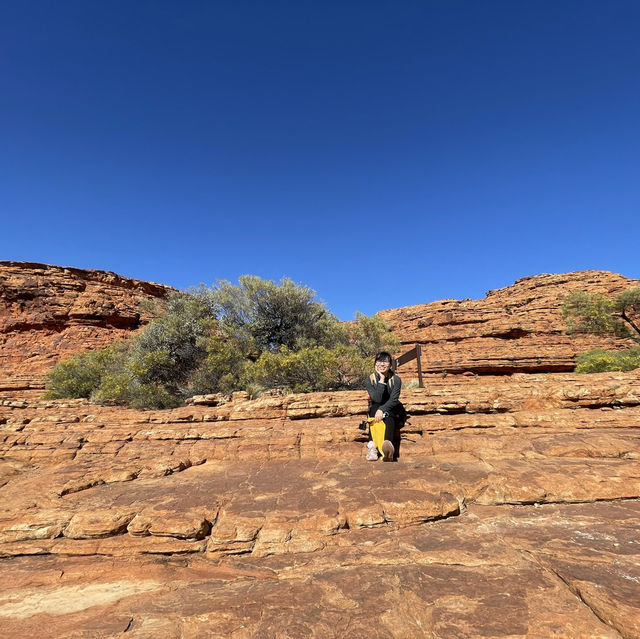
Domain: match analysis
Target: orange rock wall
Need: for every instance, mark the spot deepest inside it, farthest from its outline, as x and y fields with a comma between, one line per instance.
x=48, y=313
x=512, y=510
x=514, y=329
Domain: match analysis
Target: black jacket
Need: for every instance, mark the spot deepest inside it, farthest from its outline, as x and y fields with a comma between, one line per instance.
x=377, y=392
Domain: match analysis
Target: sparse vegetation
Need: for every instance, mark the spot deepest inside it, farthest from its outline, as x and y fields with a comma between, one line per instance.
x=597, y=314
x=255, y=336
x=599, y=361
x=593, y=313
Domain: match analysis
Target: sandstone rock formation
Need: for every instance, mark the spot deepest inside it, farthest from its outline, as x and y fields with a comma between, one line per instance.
x=514, y=329
x=48, y=313
x=512, y=510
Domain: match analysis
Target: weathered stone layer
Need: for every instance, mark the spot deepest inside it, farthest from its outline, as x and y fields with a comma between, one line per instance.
x=48, y=313
x=512, y=510
x=502, y=517
x=514, y=329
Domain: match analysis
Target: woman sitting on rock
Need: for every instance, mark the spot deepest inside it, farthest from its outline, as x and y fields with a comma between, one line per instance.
x=383, y=387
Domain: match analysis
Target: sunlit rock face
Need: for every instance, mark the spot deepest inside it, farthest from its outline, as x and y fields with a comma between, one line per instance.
x=514, y=329
x=512, y=510
x=48, y=313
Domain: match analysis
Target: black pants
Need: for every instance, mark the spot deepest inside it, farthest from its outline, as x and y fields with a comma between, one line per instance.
x=389, y=422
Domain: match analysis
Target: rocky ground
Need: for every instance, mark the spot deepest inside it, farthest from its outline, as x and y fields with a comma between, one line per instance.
x=512, y=509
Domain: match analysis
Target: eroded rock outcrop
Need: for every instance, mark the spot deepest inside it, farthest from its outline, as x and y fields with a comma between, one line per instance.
x=48, y=313
x=512, y=510
x=514, y=329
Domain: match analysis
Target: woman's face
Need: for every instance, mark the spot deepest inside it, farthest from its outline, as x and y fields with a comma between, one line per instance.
x=382, y=366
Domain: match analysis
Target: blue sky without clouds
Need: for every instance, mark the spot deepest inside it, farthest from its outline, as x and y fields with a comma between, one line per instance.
x=385, y=153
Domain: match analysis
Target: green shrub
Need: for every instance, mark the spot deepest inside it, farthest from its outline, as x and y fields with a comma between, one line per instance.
x=628, y=302
x=114, y=389
x=222, y=369
x=370, y=335
x=125, y=389
x=586, y=312
x=150, y=370
x=599, y=361
x=269, y=315
x=309, y=369
x=80, y=375
x=171, y=346
x=256, y=335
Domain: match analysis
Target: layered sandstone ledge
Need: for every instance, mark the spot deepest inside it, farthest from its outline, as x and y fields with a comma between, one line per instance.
x=512, y=511
x=48, y=313
x=514, y=329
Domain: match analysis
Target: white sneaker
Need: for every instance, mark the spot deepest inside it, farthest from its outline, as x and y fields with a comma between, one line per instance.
x=372, y=452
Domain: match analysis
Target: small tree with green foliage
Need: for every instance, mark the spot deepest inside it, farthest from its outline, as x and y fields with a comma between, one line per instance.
x=308, y=369
x=586, y=312
x=370, y=335
x=267, y=315
x=222, y=370
x=172, y=345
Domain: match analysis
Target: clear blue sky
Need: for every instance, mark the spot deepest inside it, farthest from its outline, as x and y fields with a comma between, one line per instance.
x=385, y=153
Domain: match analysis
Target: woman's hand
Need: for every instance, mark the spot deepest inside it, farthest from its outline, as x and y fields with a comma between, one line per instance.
x=379, y=416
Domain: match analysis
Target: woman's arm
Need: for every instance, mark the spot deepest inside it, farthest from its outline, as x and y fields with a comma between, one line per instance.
x=394, y=400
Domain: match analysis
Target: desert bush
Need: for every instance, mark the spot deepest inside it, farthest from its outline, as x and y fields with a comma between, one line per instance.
x=600, y=361
x=125, y=389
x=173, y=345
x=370, y=335
x=308, y=369
x=270, y=315
x=592, y=313
x=586, y=312
x=223, y=367
x=80, y=375
x=256, y=335
x=150, y=370
x=628, y=305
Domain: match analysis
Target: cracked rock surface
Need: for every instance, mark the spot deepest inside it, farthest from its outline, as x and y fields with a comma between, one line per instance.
x=511, y=511
x=261, y=518
x=48, y=313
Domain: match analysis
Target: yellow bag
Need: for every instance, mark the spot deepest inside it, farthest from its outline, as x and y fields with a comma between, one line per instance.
x=377, y=433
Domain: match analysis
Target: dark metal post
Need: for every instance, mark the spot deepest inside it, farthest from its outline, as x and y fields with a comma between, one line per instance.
x=418, y=357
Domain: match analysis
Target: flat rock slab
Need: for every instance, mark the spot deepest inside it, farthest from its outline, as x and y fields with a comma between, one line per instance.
x=513, y=511
x=482, y=574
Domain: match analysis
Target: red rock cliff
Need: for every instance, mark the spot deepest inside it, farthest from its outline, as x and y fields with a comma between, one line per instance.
x=48, y=313
x=514, y=329
x=513, y=509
